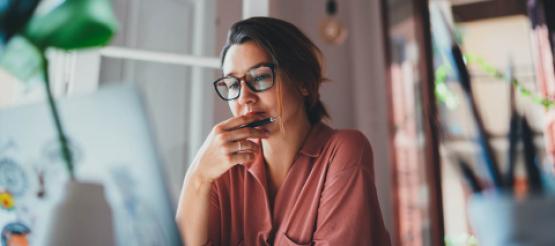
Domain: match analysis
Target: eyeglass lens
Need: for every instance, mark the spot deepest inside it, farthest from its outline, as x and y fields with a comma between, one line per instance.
x=258, y=79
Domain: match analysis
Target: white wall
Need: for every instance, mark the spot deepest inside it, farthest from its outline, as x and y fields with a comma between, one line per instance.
x=370, y=94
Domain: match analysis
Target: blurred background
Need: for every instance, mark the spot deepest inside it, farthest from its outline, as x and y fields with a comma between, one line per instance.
x=384, y=69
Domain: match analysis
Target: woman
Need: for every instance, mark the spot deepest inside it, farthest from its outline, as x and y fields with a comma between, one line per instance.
x=294, y=181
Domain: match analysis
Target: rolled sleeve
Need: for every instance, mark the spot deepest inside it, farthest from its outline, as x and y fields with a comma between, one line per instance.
x=214, y=222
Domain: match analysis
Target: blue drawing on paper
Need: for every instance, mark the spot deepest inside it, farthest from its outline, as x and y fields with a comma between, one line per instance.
x=12, y=177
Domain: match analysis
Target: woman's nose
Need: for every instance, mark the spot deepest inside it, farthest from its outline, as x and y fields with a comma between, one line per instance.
x=247, y=96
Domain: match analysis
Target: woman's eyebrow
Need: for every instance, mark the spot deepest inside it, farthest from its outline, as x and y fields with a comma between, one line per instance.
x=253, y=66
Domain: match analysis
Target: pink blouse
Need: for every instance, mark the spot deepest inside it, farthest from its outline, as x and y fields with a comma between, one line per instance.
x=327, y=198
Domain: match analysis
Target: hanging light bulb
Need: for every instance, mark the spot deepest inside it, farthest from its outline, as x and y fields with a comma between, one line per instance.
x=331, y=29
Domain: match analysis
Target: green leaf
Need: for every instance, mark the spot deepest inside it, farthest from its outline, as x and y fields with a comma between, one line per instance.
x=73, y=24
x=21, y=59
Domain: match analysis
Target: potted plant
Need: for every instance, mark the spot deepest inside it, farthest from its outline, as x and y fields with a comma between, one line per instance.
x=68, y=25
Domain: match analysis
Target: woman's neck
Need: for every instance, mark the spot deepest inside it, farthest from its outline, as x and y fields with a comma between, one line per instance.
x=281, y=149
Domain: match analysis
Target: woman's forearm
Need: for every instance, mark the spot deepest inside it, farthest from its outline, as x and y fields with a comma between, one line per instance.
x=193, y=209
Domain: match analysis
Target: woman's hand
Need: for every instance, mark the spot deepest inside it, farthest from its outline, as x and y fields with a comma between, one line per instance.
x=226, y=146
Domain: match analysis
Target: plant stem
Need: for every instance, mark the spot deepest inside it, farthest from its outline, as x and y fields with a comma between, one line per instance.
x=65, y=151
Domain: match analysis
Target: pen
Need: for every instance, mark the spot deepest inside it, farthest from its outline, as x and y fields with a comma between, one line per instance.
x=530, y=155
x=456, y=60
x=514, y=132
x=483, y=136
x=514, y=139
x=259, y=122
x=469, y=176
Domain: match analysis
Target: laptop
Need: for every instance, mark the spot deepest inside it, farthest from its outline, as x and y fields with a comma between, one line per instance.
x=111, y=141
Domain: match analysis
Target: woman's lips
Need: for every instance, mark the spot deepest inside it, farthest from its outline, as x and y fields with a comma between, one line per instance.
x=256, y=112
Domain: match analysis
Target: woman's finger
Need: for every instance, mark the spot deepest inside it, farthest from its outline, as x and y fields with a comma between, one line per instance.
x=236, y=122
x=240, y=158
x=241, y=146
x=244, y=133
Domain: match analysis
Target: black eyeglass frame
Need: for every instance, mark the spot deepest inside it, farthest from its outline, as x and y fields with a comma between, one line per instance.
x=270, y=65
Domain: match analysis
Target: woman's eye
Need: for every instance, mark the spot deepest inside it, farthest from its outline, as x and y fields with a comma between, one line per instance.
x=234, y=86
x=262, y=77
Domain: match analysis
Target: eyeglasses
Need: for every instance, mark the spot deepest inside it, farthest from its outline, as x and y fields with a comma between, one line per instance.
x=258, y=79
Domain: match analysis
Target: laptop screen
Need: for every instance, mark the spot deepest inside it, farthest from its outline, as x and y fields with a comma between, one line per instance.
x=111, y=143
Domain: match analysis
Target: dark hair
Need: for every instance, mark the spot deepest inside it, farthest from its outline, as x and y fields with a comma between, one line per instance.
x=294, y=55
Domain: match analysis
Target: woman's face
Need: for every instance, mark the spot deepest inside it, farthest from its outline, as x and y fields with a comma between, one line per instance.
x=239, y=59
